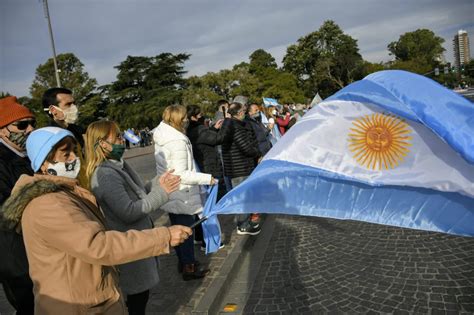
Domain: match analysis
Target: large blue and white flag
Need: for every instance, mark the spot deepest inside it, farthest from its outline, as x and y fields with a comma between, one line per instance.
x=395, y=148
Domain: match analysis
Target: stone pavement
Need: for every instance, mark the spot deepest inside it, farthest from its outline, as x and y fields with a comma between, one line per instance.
x=314, y=265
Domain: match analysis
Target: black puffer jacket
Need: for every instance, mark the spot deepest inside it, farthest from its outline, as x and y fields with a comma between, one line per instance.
x=204, y=141
x=14, y=262
x=239, y=148
x=261, y=133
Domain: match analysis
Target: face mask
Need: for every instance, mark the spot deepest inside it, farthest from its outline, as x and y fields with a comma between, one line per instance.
x=18, y=138
x=274, y=112
x=65, y=169
x=70, y=114
x=117, y=151
x=256, y=116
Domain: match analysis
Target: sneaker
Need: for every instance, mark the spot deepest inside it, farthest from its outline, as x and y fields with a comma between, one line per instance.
x=203, y=247
x=248, y=229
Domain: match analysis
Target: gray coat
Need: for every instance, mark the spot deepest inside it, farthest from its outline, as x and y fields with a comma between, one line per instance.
x=126, y=204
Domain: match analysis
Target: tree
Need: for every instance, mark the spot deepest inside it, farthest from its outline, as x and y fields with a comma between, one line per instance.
x=324, y=61
x=144, y=87
x=261, y=60
x=421, y=46
x=72, y=76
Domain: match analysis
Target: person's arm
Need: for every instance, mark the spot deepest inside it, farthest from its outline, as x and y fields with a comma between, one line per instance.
x=209, y=136
x=64, y=225
x=283, y=122
x=110, y=188
x=178, y=160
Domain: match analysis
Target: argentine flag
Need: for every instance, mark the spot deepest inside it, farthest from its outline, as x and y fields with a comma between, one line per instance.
x=267, y=101
x=395, y=148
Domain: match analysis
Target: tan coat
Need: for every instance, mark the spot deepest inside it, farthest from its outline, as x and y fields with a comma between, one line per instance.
x=69, y=252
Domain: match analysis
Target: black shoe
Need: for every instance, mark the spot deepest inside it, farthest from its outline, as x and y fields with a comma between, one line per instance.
x=180, y=265
x=191, y=272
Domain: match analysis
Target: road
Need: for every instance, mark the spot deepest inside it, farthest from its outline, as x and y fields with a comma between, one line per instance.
x=314, y=265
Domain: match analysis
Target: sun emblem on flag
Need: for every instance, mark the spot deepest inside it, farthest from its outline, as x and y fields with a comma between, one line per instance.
x=379, y=141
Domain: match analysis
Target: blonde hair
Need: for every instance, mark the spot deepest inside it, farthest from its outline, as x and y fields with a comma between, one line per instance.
x=175, y=115
x=95, y=154
x=268, y=112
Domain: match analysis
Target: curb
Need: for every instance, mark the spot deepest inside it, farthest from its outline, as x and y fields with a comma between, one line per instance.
x=212, y=299
x=219, y=286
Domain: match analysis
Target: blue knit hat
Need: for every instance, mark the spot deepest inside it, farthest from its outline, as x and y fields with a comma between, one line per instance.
x=41, y=141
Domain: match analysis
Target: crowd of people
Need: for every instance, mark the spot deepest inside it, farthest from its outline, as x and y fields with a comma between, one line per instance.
x=75, y=225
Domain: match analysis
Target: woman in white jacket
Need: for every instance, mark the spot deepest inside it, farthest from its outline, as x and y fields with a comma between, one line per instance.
x=173, y=151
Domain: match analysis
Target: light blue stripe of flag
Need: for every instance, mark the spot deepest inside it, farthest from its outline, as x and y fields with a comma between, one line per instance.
x=295, y=189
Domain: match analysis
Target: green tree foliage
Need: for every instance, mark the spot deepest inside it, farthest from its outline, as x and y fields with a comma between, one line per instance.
x=261, y=60
x=421, y=46
x=369, y=67
x=257, y=79
x=324, y=61
x=144, y=87
x=72, y=77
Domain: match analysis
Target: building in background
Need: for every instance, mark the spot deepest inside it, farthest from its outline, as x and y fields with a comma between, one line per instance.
x=462, y=54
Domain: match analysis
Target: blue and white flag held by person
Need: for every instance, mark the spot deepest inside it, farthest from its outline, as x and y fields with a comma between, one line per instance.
x=130, y=136
x=395, y=148
x=267, y=101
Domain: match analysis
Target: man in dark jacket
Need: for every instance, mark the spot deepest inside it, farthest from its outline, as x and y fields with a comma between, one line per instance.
x=241, y=154
x=16, y=123
x=254, y=120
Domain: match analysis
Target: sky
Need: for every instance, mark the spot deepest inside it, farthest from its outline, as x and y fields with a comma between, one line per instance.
x=218, y=34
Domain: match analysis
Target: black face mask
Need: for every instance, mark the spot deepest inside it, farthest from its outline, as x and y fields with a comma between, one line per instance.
x=201, y=120
x=257, y=117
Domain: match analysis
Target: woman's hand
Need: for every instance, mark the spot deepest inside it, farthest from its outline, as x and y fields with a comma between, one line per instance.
x=169, y=182
x=178, y=234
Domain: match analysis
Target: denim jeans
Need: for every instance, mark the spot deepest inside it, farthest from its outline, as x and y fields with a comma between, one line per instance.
x=185, y=251
x=245, y=217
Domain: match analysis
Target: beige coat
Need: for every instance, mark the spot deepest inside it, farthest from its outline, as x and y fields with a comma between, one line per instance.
x=69, y=252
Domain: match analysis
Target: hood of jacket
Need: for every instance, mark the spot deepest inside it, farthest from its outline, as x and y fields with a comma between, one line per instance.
x=28, y=188
x=164, y=134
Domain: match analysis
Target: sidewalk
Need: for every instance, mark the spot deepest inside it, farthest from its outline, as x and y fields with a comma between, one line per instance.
x=173, y=295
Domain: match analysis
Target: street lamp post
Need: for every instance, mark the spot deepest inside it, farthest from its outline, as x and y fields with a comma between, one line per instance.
x=56, y=70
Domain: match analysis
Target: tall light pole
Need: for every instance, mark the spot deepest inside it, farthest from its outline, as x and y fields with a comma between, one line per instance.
x=46, y=13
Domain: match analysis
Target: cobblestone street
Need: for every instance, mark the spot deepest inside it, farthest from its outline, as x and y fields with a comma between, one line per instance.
x=315, y=265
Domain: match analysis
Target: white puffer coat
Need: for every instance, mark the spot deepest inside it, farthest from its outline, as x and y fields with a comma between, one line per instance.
x=173, y=150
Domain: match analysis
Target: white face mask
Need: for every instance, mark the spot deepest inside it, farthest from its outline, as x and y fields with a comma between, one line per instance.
x=65, y=169
x=70, y=114
x=274, y=112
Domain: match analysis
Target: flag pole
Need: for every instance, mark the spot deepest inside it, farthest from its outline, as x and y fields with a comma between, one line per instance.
x=56, y=70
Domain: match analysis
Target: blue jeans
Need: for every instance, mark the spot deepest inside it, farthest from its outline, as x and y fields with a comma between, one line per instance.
x=245, y=217
x=185, y=251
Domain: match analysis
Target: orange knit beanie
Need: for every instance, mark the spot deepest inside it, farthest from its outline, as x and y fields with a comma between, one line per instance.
x=11, y=110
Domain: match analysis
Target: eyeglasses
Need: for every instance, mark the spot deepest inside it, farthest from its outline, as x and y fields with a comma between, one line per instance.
x=23, y=124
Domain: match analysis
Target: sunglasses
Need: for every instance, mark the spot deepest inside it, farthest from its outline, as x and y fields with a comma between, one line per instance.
x=22, y=125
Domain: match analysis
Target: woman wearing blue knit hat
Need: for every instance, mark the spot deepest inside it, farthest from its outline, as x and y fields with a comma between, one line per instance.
x=71, y=255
